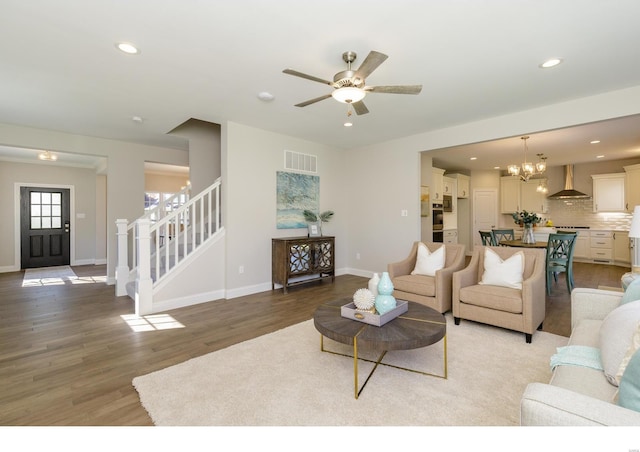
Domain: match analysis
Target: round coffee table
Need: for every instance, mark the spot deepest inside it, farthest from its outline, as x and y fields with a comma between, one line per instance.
x=419, y=327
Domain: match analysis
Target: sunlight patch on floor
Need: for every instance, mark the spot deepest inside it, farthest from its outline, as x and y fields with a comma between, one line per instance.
x=56, y=276
x=89, y=280
x=152, y=322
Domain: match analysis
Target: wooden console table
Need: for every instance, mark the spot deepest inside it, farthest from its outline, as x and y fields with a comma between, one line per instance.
x=293, y=259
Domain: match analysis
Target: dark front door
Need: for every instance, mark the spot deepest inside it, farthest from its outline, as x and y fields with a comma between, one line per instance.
x=44, y=220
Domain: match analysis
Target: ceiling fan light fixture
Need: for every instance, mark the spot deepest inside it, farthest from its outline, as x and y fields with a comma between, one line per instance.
x=348, y=94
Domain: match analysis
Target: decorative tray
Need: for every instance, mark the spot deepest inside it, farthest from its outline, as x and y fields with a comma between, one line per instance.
x=349, y=311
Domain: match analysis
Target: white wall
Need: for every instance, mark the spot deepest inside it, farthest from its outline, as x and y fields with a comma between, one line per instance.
x=164, y=183
x=251, y=158
x=205, y=150
x=101, y=219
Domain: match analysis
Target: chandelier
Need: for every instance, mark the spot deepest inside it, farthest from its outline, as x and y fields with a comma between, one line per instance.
x=528, y=169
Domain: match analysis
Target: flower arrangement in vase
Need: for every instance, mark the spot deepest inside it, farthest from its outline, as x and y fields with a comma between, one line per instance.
x=528, y=220
x=524, y=218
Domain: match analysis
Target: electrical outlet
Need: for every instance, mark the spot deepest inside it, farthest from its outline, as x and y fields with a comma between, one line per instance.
x=358, y=256
x=241, y=269
x=404, y=213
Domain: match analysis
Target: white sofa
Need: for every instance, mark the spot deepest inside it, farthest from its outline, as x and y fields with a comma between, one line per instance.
x=578, y=395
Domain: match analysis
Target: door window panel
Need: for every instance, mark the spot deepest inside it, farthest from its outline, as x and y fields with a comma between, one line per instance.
x=46, y=210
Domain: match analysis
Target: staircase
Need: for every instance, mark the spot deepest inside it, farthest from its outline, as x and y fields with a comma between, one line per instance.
x=154, y=248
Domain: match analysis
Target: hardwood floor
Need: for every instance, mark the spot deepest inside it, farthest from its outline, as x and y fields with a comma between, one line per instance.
x=68, y=354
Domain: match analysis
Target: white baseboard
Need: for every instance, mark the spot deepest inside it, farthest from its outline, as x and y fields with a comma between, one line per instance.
x=248, y=290
x=10, y=268
x=167, y=305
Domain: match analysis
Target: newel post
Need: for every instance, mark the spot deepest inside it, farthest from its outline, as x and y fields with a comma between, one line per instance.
x=122, y=267
x=144, y=283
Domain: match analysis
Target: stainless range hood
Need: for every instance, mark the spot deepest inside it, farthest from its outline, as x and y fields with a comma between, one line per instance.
x=568, y=192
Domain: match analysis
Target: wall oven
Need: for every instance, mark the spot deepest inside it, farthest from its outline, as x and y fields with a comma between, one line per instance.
x=438, y=217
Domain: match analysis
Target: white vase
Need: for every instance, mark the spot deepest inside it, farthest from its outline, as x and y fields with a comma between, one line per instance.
x=373, y=284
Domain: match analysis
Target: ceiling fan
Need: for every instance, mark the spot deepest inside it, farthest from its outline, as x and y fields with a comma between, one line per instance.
x=349, y=85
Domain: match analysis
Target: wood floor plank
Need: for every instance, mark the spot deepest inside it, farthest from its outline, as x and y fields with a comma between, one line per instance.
x=68, y=356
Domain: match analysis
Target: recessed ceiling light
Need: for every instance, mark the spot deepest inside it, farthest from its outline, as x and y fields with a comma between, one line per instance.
x=551, y=63
x=599, y=156
x=595, y=141
x=496, y=167
x=137, y=119
x=127, y=47
x=348, y=124
x=473, y=158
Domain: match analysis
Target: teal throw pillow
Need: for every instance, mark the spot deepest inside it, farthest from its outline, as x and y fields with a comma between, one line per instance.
x=629, y=391
x=632, y=293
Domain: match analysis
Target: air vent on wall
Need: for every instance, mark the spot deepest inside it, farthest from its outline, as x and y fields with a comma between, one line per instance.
x=300, y=162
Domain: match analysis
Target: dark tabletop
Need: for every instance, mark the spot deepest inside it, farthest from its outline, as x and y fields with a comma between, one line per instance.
x=418, y=327
x=519, y=243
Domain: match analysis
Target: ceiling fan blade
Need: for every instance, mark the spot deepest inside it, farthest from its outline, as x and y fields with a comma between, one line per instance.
x=360, y=108
x=307, y=76
x=370, y=64
x=313, y=101
x=399, y=89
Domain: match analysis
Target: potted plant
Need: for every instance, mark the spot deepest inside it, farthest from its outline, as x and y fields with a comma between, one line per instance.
x=312, y=217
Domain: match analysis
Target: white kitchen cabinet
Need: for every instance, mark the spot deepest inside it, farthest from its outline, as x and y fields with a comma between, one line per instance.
x=531, y=199
x=516, y=196
x=621, y=247
x=601, y=246
x=437, y=180
x=463, y=183
x=450, y=236
x=608, y=192
x=632, y=187
x=449, y=186
x=509, y=194
x=582, y=247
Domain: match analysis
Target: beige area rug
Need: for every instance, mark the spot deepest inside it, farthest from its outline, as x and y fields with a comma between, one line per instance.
x=283, y=379
x=48, y=275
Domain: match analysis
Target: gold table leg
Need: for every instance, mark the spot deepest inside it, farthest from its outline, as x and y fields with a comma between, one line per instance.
x=357, y=391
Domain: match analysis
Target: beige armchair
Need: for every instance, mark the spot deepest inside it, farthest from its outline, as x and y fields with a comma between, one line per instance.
x=514, y=309
x=431, y=291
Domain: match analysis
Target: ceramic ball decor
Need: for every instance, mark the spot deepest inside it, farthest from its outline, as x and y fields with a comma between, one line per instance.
x=363, y=299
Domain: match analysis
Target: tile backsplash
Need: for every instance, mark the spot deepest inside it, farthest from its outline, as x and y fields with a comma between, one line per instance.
x=579, y=212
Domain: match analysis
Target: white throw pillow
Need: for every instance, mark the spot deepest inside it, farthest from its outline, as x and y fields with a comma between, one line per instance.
x=504, y=273
x=635, y=346
x=616, y=336
x=428, y=263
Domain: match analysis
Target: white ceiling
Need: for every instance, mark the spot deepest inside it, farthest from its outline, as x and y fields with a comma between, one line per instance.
x=209, y=60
